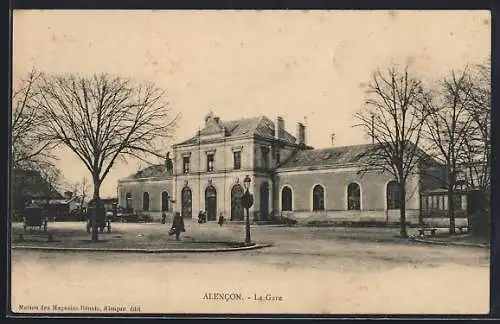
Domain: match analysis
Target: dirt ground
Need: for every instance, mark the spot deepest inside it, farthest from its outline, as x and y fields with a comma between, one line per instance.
x=307, y=270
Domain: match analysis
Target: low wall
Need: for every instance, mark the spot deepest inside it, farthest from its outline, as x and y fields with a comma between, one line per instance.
x=379, y=216
x=445, y=222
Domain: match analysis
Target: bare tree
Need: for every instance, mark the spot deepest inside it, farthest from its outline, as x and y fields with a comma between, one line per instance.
x=477, y=159
x=82, y=190
x=103, y=119
x=393, y=116
x=447, y=128
x=29, y=152
x=53, y=178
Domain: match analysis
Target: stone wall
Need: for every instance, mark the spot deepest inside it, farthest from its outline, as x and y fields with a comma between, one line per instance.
x=137, y=188
x=223, y=156
x=335, y=182
x=379, y=216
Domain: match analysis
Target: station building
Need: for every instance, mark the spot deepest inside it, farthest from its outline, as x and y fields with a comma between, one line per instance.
x=288, y=178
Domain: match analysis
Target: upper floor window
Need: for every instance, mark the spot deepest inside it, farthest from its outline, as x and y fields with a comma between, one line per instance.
x=237, y=160
x=185, y=164
x=353, y=197
x=210, y=162
x=265, y=157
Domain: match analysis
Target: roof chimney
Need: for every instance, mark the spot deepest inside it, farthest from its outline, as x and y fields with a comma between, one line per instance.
x=279, y=127
x=301, y=133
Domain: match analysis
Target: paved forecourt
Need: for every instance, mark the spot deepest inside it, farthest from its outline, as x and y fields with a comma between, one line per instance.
x=312, y=270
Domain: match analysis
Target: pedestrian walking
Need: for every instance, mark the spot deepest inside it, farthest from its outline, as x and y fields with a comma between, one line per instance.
x=177, y=226
x=163, y=218
x=221, y=219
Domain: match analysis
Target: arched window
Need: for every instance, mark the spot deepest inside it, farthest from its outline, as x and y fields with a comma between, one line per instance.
x=318, y=198
x=392, y=192
x=145, y=201
x=286, y=199
x=353, y=197
x=164, y=201
x=128, y=200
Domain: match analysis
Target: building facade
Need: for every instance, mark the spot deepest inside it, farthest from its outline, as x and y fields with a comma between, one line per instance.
x=288, y=178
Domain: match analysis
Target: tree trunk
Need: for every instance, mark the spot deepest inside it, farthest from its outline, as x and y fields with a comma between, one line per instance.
x=402, y=209
x=96, y=203
x=451, y=209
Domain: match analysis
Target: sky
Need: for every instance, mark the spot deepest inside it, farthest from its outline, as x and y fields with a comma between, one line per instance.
x=294, y=64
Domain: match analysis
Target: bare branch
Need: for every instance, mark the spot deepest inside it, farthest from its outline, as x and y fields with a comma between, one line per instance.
x=393, y=116
x=103, y=117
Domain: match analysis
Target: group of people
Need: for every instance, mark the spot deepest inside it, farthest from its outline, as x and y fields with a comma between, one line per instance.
x=178, y=222
x=202, y=218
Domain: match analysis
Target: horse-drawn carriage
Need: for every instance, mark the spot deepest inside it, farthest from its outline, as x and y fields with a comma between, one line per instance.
x=103, y=220
x=35, y=216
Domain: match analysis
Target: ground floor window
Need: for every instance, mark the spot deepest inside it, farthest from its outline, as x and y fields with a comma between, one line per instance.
x=318, y=198
x=353, y=197
x=145, y=202
x=286, y=199
x=164, y=201
x=392, y=190
x=128, y=200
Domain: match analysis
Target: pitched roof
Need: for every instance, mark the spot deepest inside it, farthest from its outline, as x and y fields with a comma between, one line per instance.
x=156, y=170
x=246, y=127
x=342, y=155
x=29, y=183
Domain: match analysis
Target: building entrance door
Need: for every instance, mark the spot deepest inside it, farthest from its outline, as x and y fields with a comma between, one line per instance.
x=211, y=203
x=236, y=206
x=187, y=203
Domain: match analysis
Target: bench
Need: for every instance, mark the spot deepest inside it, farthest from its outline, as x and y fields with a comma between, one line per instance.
x=429, y=230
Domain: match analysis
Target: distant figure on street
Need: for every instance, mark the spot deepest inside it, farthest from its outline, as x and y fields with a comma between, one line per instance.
x=177, y=226
x=202, y=217
x=221, y=219
x=163, y=218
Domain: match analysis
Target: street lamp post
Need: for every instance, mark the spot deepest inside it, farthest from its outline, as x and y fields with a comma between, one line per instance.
x=247, y=202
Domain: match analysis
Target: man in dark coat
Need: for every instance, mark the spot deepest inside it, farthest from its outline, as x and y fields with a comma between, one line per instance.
x=177, y=226
x=221, y=219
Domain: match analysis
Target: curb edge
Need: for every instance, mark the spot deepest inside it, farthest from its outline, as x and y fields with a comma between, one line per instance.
x=419, y=240
x=138, y=250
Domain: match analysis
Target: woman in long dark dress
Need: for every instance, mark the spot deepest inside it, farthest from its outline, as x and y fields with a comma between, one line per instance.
x=177, y=226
